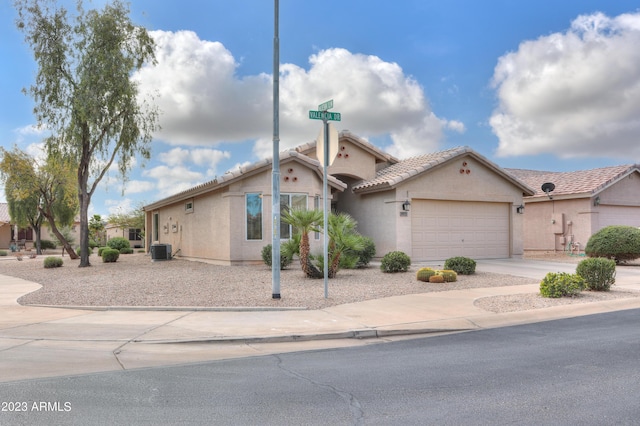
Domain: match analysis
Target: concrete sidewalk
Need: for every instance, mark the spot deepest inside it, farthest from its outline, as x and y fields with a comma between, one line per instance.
x=43, y=341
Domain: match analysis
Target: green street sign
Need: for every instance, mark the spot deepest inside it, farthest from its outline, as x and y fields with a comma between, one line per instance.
x=324, y=115
x=325, y=106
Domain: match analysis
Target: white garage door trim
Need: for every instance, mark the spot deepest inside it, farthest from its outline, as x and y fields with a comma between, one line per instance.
x=444, y=229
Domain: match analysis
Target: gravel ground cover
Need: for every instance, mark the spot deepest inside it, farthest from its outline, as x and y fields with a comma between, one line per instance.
x=134, y=280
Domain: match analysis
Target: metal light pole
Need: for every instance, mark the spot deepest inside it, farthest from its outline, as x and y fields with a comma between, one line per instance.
x=275, y=190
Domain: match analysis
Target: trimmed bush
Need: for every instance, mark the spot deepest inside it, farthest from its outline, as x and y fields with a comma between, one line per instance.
x=3, y=253
x=461, y=265
x=618, y=242
x=395, y=261
x=424, y=274
x=267, y=253
x=436, y=279
x=100, y=250
x=47, y=245
x=110, y=255
x=126, y=250
x=79, y=248
x=118, y=243
x=561, y=284
x=599, y=273
x=448, y=275
x=52, y=262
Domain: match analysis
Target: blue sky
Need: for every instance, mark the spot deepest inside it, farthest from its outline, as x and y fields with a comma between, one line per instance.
x=542, y=85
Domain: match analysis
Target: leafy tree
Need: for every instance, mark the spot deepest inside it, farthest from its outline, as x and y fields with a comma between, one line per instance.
x=49, y=189
x=305, y=221
x=84, y=92
x=96, y=231
x=124, y=221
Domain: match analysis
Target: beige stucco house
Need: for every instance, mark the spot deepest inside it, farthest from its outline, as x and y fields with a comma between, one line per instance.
x=581, y=203
x=5, y=226
x=133, y=235
x=432, y=207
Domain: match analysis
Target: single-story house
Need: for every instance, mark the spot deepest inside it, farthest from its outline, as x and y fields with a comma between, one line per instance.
x=432, y=207
x=5, y=226
x=134, y=235
x=580, y=204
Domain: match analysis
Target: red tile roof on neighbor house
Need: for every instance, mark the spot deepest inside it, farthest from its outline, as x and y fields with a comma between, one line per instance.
x=4, y=213
x=585, y=182
x=406, y=169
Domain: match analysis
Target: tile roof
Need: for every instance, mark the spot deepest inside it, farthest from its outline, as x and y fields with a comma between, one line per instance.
x=4, y=213
x=586, y=182
x=413, y=166
x=241, y=172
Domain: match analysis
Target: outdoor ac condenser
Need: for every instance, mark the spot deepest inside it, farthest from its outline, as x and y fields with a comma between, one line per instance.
x=160, y=252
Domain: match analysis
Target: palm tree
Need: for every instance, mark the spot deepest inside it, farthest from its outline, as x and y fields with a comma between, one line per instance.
x=305, y=221
x=343, y=239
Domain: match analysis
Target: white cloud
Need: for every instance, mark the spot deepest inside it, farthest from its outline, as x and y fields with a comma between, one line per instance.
x=171, y=180
x=204, y=101
x=138, y=186
x=572, y=94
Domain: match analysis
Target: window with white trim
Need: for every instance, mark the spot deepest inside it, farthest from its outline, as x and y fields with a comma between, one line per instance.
x=253, y=212
x=290, y=201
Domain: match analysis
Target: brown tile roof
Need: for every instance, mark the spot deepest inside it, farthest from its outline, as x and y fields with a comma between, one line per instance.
x=413, y=166
x=587, y=182
x=4, y=213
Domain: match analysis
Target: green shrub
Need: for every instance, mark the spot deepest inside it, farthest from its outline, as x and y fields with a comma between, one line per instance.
x=47, y=245
x=424, y=274
x=110, y=255
x=118, y=243
x=617, y=242
x=461, y=265
x=79, y=248
x=285, y=257
x=100, y=250
x=366, y=254
x=436, y=279
x=561, y=284
x=52, y=262
x=3, y=253
x=126, y=250
x=448, y=275
x=395, y=261
x=599, y=273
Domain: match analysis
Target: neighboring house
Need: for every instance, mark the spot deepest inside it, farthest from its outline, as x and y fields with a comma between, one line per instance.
x=432, y=207
x=5, y=226
x=582, y=203
x=134, y=235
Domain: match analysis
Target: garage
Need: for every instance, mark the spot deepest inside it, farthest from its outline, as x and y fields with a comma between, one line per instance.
x=444, y=229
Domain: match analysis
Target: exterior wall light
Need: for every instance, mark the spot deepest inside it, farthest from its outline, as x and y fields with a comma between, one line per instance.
x=406, y=205
x=520, y=209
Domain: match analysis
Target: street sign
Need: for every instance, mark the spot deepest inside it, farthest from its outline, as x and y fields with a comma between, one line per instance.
x=324, y=115
x=325, y=106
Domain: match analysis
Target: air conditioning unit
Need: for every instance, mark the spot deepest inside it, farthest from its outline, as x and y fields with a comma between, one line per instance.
x=160, y=252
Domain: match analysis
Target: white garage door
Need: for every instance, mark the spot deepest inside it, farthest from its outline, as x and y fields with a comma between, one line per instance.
x=619, y=215
x=444, y=229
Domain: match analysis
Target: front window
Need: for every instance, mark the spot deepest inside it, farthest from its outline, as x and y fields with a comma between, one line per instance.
x=253, y=207
x=135, y=234
x=290, y=201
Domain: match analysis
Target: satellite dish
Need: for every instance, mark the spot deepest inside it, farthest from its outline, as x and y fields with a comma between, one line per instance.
x=547, y=187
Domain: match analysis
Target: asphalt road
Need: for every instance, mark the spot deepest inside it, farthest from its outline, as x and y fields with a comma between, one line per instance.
x=582, y=370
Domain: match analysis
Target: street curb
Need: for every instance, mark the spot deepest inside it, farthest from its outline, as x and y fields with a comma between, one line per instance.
x=353, y=334
x=173, y=308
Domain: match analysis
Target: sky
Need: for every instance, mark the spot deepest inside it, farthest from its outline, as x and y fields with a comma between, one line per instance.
x=542, y=85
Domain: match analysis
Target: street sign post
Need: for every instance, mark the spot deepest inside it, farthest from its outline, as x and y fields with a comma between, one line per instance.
x=326, y=116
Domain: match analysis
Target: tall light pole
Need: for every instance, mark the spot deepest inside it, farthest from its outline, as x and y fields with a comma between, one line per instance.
x=275, y=190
